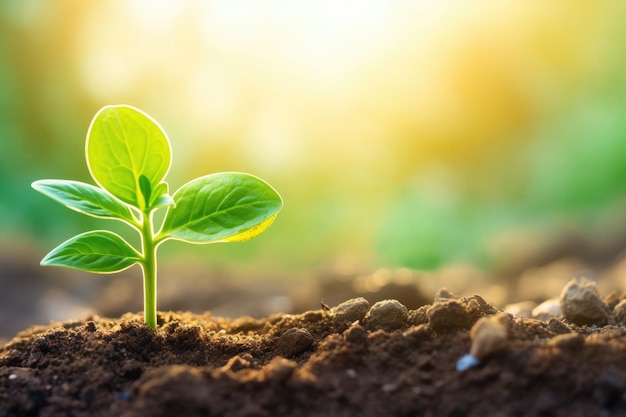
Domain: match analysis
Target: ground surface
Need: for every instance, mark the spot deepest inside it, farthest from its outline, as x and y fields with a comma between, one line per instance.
x=357, y=357
x=351, y=359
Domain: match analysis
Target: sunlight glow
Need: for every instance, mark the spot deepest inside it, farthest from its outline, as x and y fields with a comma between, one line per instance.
x=347, y=82
x=380, y=118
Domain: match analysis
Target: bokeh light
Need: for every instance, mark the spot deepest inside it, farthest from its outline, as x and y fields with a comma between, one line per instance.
x=401, y=134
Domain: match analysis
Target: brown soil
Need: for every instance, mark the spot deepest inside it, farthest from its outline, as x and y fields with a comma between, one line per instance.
x=345, y=361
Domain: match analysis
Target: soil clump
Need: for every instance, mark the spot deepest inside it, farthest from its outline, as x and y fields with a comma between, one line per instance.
x=351, y=359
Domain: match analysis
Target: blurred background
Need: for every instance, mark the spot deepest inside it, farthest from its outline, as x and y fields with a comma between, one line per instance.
x=416, y=144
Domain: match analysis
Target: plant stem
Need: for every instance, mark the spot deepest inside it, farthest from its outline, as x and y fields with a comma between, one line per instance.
x=149, y=268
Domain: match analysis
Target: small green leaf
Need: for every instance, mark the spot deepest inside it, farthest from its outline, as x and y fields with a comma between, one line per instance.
x=124, y=144
x=164, y=200
x=97, y=251
x=160, y=196
x=85, y=198
x=221, y=207
x=146, y=189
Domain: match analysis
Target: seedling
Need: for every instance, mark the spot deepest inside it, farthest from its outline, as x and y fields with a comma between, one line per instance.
x=128, y=156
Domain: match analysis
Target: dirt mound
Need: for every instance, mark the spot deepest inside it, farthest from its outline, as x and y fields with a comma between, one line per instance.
x=353, y=359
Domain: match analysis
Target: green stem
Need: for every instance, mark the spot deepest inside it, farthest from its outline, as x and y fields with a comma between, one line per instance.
x=149, y=267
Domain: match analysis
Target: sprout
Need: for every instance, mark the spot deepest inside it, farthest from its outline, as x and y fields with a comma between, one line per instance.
x=128, y=155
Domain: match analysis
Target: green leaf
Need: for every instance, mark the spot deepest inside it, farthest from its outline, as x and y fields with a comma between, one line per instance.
x=124, y=144
x=85, y=198
x=97, y=251
x=250, y=233
x=165, y=200
x=146, y=189
x=160, y=197
x=221, y=207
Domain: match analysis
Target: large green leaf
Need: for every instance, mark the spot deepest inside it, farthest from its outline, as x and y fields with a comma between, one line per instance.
x=97, y=251
x=222, y=207
x=84, y=198
x=123, y=145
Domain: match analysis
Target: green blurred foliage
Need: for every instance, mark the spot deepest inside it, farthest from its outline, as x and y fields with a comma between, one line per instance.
x=429, y=148
x=571, y=175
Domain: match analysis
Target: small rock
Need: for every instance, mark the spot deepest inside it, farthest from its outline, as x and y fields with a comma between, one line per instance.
x=356, y=335
x=558, y=327
x=522, y=310
x=477, y=305
x=295, y=341
x=611, y=300
x=489, y=335
x=581, y=304
x=25, y=374
x=352, y=310
x=448, y=316
x=570, y=341
x=387, y=315
x=467, y=361
x=444, y=295
x=419, y=316
x=547, y=310
x=619, y=313
x=472, y=306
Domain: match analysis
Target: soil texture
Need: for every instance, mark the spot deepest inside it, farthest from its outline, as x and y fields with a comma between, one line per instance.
x=350, y=359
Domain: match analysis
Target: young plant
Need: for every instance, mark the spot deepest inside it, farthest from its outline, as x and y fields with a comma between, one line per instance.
x=128, y=155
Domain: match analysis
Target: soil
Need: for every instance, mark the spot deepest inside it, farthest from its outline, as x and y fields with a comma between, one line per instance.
x=346, y=360
x=358, y=356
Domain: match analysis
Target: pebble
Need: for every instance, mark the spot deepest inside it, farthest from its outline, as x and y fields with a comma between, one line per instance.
x=448, y=316
x=356, y=335
x=25, y=374
x=558, y=327
x=619, y=313
x=477, y=304
x=352, y=310
x=611, y=300
x=489, y=335
x=522, y=310
x=295, y=341
x=467, y=361
x=548, y=309
x=444, y=295
x=472, y=306
x=387, y=315
x=581, y=304
x=419, y=316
